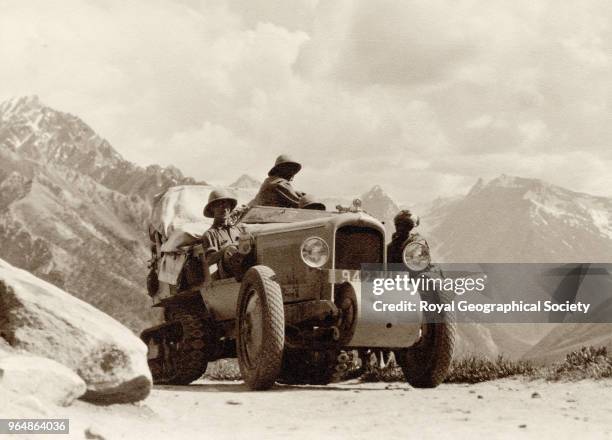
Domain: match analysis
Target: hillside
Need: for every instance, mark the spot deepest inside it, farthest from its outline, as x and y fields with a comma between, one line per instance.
x=512, y=219
x=73, y=211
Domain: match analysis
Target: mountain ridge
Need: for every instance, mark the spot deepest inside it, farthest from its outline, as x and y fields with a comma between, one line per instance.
x=74, y=212
x=45, y=135
x=245, y=181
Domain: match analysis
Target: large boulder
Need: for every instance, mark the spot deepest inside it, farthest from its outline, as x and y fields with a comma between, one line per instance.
x=43, y=378
x=42, y=319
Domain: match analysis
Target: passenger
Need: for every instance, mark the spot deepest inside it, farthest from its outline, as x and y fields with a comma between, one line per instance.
x=277, y=190
x=307, y=201
x=220, y=241
x=404, y=224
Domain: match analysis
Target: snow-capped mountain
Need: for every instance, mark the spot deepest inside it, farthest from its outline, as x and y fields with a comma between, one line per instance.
x=513, y=219
x=73, y=211
x=39, y=133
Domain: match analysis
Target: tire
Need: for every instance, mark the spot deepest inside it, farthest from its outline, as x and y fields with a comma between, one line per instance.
x=308, y=367
x=261, y=328
x=426, y=363
x=189, y=356
x=346, y=301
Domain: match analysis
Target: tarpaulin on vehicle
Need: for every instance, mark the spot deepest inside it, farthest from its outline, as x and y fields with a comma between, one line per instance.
x=178, y=212
x=170, y=267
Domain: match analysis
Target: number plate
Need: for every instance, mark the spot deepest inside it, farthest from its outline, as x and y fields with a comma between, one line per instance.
x=339, y=276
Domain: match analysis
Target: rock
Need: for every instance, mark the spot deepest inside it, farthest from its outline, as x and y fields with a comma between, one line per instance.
x=5, y=348
x=32, y=406
x=40, y=377
x=233, y=402
x=39, y=318
x=93, y=434
x=535, y=395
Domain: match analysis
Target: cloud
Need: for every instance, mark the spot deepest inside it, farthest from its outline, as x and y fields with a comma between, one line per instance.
x=387, y=42
x=419, y=97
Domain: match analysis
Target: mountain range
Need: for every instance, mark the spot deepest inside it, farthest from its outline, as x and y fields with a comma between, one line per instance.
x=513, y=219
x=73, y=211
x=517, y=220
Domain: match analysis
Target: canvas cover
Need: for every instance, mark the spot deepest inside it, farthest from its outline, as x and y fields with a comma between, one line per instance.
x=178, y=213
x=170, y=267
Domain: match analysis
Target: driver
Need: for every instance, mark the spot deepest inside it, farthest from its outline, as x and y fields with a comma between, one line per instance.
x=277, y=190
x=404, y=224
x=220, y=241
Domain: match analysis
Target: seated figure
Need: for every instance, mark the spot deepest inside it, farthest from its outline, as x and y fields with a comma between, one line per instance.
x=277, y=190
x=220, y=241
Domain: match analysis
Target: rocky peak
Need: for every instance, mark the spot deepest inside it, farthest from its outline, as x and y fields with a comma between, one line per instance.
x=378, y=204
x=46, y=135
x=478, y=186
x=377, y=195
x=514, y=182
x=375, y=191
x=246, y=181
x=19, y=105
x=50, y=137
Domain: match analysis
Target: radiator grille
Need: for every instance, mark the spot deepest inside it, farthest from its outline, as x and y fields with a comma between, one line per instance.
x=357, y=245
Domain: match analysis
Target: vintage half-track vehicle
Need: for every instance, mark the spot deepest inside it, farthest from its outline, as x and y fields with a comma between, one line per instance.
x=292, y=313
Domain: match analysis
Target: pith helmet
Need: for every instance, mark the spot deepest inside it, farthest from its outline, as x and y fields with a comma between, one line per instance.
x=307, y=201
x=285, y=162
x=216, y=196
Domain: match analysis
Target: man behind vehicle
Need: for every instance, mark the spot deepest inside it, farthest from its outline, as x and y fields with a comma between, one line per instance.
x=404, y=224
x=221, y=239
x=277, y=190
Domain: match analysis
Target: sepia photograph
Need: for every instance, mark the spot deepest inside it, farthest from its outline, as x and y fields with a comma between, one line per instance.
x=298, y=219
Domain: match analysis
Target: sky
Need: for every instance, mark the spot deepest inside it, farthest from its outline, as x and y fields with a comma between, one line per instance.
x=419, y=97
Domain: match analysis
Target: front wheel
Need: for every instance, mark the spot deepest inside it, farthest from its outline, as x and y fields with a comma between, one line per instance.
x=261, y=328
x=426, y=363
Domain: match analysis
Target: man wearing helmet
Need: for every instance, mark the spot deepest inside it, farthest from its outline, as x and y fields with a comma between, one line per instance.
x=277, y=190
x=404, y=224
x=220, y=241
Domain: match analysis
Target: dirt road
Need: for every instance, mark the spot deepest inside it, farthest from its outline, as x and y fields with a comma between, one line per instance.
x=218, y=410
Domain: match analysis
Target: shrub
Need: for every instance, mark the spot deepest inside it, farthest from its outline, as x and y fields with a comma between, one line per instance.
x=388, y=373
x=586, y=363
x=476, y=369
x=223, y=369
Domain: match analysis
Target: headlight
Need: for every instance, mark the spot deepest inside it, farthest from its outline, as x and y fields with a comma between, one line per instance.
x=416, y=256
x=314, y=252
